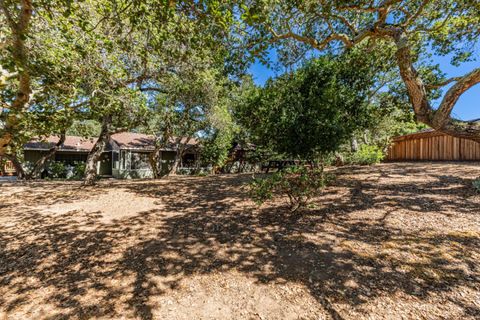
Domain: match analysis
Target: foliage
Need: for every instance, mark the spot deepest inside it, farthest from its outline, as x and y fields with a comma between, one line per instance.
x=311, y=112
x=216, y=148
x=390, y=122
x=413, y=29
x=219, y=135
x=367, y=155
x=103, y=59
x=194, y=103
x=84, y=128
x=78, y=170
x=476, y=185
x=298, y=183
x=60, y=170
x=34, y=70
x=57, y=170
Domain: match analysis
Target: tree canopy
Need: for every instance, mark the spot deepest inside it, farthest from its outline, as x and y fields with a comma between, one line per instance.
x=413, y=27
x=309, y=113
x=101, y=58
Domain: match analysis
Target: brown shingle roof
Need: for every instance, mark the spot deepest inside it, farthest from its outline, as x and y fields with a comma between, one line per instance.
x=131, y=140
x=72, y=143
x=125, y=140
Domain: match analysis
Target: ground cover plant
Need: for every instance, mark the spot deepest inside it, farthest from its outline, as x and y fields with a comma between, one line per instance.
x=298, y=183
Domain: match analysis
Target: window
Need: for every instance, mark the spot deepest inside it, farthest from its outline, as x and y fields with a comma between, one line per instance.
x=123, y=159
x=70, y=158
x=115, y=160
x=140, y=160
x=188, y=160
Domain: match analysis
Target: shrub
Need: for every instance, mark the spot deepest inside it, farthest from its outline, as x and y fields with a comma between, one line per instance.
x=57, y=170
x=27, y=167
x=184, y=171
x=300, y=184
x=79, y=170
x=201, y=173
x=476, y=185
x=367, y=155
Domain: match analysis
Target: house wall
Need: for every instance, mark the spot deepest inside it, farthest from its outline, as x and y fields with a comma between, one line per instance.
x=33, y=155
x=104, y=167
x=117, y=163
x=132, y=174
x=63, y=156
x=67, y=157
x=123, y=167
x=434, y=147
x=70, y=157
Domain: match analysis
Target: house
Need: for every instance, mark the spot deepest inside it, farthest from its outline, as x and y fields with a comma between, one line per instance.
x=431, y=145
x=126, y=155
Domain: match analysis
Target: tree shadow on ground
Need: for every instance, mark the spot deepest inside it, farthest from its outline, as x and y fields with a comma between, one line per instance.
x=207, y=225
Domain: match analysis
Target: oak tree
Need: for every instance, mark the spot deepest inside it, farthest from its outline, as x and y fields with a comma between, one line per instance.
x=415, y=28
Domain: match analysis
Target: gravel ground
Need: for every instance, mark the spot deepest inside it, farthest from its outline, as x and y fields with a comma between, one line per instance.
x=393, y=241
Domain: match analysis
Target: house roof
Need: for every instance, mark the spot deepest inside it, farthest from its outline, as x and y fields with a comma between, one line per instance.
x=130, y=140
x=124, y=140
x=72, y=143
x=139, y=141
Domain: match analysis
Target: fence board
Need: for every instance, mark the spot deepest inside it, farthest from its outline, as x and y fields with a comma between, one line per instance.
x=433, y=146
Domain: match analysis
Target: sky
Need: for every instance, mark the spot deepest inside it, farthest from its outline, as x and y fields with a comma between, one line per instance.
x=467, y=107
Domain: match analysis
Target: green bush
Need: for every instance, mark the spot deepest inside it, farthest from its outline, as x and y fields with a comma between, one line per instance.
x=184, y=172
x=57, y=170
x=367, y=155
x=300, y=184
x=27, y=167
x=476, y=185
x=79, y=170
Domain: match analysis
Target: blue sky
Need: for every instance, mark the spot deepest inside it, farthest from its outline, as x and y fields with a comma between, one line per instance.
x=467, y=108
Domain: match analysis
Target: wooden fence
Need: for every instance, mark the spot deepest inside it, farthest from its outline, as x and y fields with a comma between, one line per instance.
x=433, y=146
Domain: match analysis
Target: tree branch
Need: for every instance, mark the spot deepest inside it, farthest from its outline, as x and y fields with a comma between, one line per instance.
x=40, y=163
x=319, y=45
x=153, y=89
x=417, y=13
x=442, y=115
x=440, y=119
x=443, y=83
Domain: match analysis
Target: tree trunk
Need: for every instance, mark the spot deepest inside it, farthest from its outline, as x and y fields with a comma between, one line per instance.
x=19, y=29
x=178, y=155
x=354, y=144
x=96, y=152
x=176, y=162
x=156, y=157
x=365, y=138
x=156, y=163
x=198, y=161
x=439, y=119
x=40, y=163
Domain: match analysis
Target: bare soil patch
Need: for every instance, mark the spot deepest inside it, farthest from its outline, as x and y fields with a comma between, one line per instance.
x=394, y=241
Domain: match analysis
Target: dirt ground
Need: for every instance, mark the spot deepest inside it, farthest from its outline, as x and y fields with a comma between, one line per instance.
x=393, y=241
